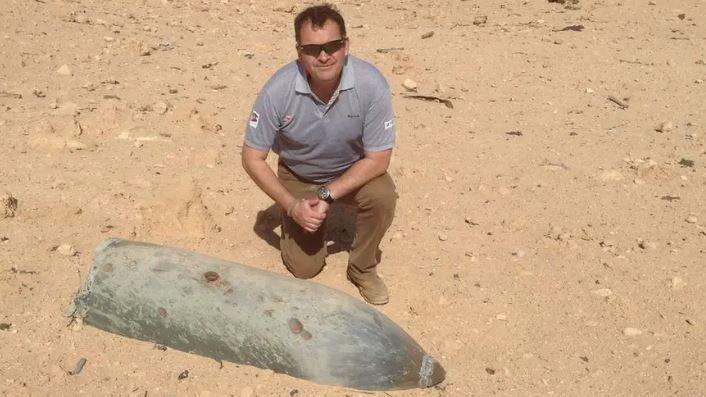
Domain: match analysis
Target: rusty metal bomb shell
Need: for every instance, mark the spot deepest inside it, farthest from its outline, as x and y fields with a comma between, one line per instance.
x=227, y=311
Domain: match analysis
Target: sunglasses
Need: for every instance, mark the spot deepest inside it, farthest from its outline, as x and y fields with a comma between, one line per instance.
x=315, y=49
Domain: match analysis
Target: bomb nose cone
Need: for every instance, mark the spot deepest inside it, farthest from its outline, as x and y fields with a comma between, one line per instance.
x=430, y=372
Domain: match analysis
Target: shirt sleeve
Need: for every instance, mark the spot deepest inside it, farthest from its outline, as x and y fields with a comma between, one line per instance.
x=379, y=128
x=262, y=125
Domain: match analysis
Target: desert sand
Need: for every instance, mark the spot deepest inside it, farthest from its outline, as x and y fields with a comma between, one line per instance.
x=550, y=235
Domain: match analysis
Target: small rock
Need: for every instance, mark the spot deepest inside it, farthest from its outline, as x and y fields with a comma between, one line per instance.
x=501, y=317
x=144, y=50
x=691, y=219
x=410, y=85
x=443, y=236
x=9, y=205
x=75, y=145
x=64, y=70
x=612, y=175
x=160, y=107
x=666, y=126
x=603, y=292
x=629, y=331
x=480, y=20
x=66, y=250
x=427, y=35
x=677, y=283
x=646, y=244
x=589, y=91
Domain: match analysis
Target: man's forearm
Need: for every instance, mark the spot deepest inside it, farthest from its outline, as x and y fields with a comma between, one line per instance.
x=265, y=178
x=362, y=172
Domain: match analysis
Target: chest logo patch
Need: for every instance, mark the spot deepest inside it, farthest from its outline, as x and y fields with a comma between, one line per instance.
x=287, y=118
x=389, y=124
x=254, y=119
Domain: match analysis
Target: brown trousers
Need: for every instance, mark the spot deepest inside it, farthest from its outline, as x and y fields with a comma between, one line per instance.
x=304, y=253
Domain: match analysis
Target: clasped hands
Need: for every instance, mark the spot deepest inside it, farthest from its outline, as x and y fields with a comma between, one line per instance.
x=309, y=213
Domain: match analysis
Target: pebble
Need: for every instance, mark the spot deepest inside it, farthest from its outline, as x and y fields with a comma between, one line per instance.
x=64, y=70
x=410, y=85
x=501, y=317
x=160, y=107
x=75, y=145
x=677, y=283
x=629, y=331
x=589, y=91
x=603, y=292
x=666, y=126
x=646, y=244
x=66, y=250
x=691, y=219
x=428, y=35
x=9, y=205
x=443, y=236
x=611, y=176
x=480, y=20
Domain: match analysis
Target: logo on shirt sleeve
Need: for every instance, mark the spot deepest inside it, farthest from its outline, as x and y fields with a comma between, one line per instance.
x=254, y=119
x=389, y=124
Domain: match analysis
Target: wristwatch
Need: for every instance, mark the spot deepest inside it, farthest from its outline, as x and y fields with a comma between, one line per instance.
x=324, y=193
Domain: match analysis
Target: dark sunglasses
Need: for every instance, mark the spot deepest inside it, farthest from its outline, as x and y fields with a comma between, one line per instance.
x=315, y=49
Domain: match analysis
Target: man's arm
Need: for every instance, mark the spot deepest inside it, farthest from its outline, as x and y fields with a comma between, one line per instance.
x=372, y=165
x=254, y=163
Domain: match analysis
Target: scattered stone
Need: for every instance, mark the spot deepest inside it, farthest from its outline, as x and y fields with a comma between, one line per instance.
x=629, y=331
x=490, y=371
x=589, y=90
x=603, y=292
x=677, y=283
x=144, y=50
x=646, y=244
x=78, y=367
x=39, y=93
x=183, y=375
x=5, y=326
x=427, y=35
x=665, y=126
x=611, y=175
x=66, y=250
x=75, y=145
x=691, y=219
x=410, y=85
x=501, y=317
x=443, y=236
x=64, y=70
x=9, y=205
x=480, y=20
x=160, y=107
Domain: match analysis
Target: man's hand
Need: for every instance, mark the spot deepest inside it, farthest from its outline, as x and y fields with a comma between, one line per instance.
x=310, y=213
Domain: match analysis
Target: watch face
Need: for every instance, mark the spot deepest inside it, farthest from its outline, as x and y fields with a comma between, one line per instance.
x=324, y=193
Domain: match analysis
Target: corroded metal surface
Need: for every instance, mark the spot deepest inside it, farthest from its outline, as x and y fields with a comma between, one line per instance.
x=232, y=312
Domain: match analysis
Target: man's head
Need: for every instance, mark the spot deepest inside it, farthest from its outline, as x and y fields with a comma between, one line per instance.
x=322, y=45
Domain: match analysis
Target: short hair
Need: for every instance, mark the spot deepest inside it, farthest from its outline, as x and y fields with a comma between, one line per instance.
x=318, y=15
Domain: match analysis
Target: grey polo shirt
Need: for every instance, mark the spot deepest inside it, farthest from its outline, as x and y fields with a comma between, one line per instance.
x=320, y=141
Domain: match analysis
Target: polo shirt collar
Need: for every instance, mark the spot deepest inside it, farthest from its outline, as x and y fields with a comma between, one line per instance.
x=347, y=78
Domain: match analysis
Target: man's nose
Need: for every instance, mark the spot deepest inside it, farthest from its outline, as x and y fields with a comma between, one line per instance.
x=323, y=56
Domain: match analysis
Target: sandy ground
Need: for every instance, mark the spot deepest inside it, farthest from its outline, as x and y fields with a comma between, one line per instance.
x=548, y=240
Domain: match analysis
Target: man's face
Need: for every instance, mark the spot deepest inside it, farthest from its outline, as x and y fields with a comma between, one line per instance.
x=322, y=67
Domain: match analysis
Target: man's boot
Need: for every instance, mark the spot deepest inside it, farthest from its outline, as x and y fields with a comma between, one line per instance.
x=371, y=288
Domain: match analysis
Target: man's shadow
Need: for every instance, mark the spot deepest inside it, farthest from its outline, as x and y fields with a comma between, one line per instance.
x=340, y=226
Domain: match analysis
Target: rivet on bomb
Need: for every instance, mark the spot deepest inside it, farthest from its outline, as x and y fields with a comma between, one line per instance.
x=295, y=325
x=108, y=267
x=211, y=276
x=306, y=335
x=162, y=312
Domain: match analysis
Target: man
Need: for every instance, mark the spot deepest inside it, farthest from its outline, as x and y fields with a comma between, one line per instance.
x=329, y=117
